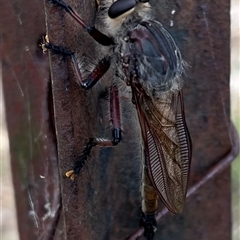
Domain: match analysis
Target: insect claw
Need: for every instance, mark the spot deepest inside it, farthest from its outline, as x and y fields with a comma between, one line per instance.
x=73, y=177
x=73, y=173
x=44, y=41
x=148, y=222
x=69, y=173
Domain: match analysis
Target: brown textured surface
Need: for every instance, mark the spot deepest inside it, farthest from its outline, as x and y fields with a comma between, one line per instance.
x=27, y=94
x=104, y=201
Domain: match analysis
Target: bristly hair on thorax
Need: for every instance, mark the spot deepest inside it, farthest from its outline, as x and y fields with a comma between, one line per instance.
x=126, y=21
x=151, y=78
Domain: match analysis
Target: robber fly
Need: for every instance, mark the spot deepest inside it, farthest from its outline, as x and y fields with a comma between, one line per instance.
x=152, y=66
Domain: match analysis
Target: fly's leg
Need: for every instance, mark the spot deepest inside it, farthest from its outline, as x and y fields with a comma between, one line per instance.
x=116, y=135
x=72, y=174
x=149, y=207
x=99, y=70
x=93, y=32
x=115, y=114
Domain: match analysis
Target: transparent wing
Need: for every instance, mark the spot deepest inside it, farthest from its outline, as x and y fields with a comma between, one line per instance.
x=167, y=144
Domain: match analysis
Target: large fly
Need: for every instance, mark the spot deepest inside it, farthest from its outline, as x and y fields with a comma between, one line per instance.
x=152, y=66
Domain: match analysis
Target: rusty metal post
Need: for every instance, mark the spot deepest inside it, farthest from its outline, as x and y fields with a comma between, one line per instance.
x=104, y=201
x=28, y=104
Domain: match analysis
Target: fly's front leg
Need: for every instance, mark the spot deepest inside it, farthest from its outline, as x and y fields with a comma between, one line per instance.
x=87, y=83
x=149, y=207
x=93, y=32
x=116, y=134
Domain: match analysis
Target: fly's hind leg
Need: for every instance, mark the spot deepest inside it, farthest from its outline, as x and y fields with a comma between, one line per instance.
x=149, y=207
x=116, y=135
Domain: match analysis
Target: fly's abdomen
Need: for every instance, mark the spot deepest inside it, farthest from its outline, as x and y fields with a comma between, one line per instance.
x=149, y=195
x=149, y=206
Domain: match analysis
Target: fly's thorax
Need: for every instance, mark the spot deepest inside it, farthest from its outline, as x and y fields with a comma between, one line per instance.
x=154, y=79
x=155, y=58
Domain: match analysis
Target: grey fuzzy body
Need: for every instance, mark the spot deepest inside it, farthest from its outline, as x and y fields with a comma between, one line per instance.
x=157, y=69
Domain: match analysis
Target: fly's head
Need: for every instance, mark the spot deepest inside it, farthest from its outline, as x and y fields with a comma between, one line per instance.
x=123, y=15
x=120, y=18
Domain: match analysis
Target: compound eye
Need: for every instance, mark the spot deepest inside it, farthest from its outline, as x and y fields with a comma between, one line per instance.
x=120, y=7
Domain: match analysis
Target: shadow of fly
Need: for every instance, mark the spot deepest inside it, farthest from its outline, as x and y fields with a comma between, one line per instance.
x=152, y=65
